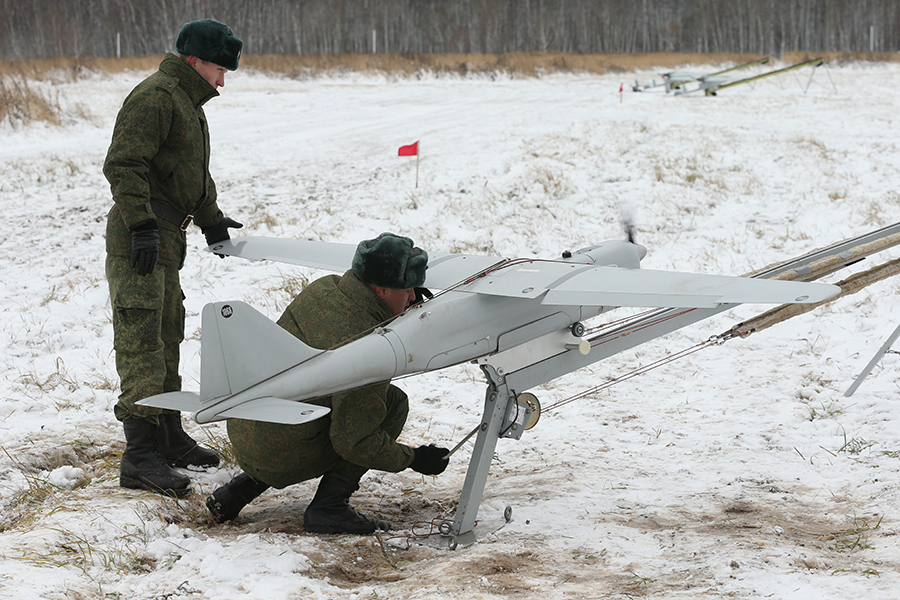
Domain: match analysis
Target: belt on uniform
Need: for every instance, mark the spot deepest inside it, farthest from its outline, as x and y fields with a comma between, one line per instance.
x=167, y=213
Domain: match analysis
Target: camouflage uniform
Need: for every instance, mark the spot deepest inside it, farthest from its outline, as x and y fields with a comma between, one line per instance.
x=361, y=431
x=159, y=152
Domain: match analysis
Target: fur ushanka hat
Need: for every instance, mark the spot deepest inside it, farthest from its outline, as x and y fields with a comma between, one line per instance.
x=211, y=41
x=390, y=261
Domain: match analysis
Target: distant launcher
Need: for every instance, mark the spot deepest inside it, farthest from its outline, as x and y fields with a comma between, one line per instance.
x=674, y=80
x=686, y=82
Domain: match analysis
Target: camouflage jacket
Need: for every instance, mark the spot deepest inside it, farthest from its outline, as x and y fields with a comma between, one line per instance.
x=160, y=151
x=330, y=312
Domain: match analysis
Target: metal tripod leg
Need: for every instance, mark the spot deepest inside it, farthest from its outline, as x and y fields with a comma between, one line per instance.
x=881, y=352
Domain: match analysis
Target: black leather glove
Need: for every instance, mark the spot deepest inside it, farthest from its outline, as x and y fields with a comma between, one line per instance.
x=430, y=460
x=219, y=232
x=144, y=248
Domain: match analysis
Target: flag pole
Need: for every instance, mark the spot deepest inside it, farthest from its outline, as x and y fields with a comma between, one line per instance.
x=409, y=151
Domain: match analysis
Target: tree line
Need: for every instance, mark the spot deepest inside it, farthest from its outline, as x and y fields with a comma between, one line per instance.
x=109, y=28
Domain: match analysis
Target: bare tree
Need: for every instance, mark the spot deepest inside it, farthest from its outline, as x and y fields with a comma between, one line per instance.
x=40, y=28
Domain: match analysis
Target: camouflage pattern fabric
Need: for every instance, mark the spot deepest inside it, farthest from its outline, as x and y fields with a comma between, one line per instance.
x=159, y=151
x=148, y=328
x=361, y=431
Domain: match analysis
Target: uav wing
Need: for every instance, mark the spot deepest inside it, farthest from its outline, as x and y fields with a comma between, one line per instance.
x=444, y=269
x=607, y=286
x=572, y=284
x=561, y=282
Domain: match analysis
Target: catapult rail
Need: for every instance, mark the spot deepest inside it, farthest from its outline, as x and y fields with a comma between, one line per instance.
x=503, y=388
x=848, y=286
x=809, y=63
x=758, y=61
x=860, y=248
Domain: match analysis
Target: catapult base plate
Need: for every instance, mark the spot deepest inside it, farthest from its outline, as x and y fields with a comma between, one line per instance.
x=484, y=528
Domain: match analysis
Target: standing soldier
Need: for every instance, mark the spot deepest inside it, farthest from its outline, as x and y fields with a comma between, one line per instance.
x=158, y=170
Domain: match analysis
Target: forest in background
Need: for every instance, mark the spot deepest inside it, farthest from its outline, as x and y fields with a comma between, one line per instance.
x=133, y=28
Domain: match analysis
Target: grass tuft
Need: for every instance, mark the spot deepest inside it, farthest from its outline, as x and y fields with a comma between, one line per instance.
x=289, y=285
x=221, y=445
x=855, y=445
x=21, y=103
x=854, y=538
x=24, y=506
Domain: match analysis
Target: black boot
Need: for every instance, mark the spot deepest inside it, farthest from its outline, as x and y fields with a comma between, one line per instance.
x=330, y=510
x=226, y=502
x=143, y=467
x=178, y=448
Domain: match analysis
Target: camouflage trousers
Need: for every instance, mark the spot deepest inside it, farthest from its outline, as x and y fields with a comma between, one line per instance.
x=307, y=455
x=148, y=328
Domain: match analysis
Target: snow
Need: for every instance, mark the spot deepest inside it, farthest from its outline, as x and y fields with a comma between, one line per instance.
x=739, y=471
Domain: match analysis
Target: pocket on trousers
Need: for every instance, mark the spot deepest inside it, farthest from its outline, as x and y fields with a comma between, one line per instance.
x=127, y=289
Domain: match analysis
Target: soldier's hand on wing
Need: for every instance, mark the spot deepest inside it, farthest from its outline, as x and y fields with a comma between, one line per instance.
x=144, y=248
x=219, y=232
x=430, y=460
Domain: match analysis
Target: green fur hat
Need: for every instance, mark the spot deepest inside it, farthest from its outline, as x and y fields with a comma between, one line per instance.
x=390, y=261
x=211, y=41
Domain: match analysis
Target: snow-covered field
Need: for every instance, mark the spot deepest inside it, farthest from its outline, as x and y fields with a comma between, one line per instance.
x=740, y=471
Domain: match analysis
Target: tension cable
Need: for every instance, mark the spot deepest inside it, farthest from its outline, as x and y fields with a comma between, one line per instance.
x=712, y=341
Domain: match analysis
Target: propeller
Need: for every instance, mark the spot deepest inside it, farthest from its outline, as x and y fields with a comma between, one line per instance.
x=627, y=216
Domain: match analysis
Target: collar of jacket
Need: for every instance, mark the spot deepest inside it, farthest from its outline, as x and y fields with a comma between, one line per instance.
x=198, y=89
x=364, y=297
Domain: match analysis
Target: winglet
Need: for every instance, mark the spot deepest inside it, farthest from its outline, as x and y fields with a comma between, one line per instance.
x=276, y=410
x=182, y=401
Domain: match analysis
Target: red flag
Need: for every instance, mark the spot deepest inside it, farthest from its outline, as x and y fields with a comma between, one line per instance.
x=411, y=150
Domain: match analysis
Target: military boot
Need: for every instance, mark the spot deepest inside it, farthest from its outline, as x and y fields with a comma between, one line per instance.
x=178, y=448
x=330, y=510
x=226, y=502
x=143, y=467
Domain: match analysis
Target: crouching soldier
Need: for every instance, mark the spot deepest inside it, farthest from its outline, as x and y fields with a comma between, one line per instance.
x=361, y=431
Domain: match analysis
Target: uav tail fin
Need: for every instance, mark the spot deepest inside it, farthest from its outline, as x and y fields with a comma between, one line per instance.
x=242, y=347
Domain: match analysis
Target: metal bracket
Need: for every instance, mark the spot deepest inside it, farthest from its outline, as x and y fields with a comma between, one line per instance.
x=515, y=420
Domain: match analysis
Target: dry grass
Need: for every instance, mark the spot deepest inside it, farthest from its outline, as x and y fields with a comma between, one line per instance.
x=520, y=63
x=72, y=68
x=21, y=102
x=526, y=64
